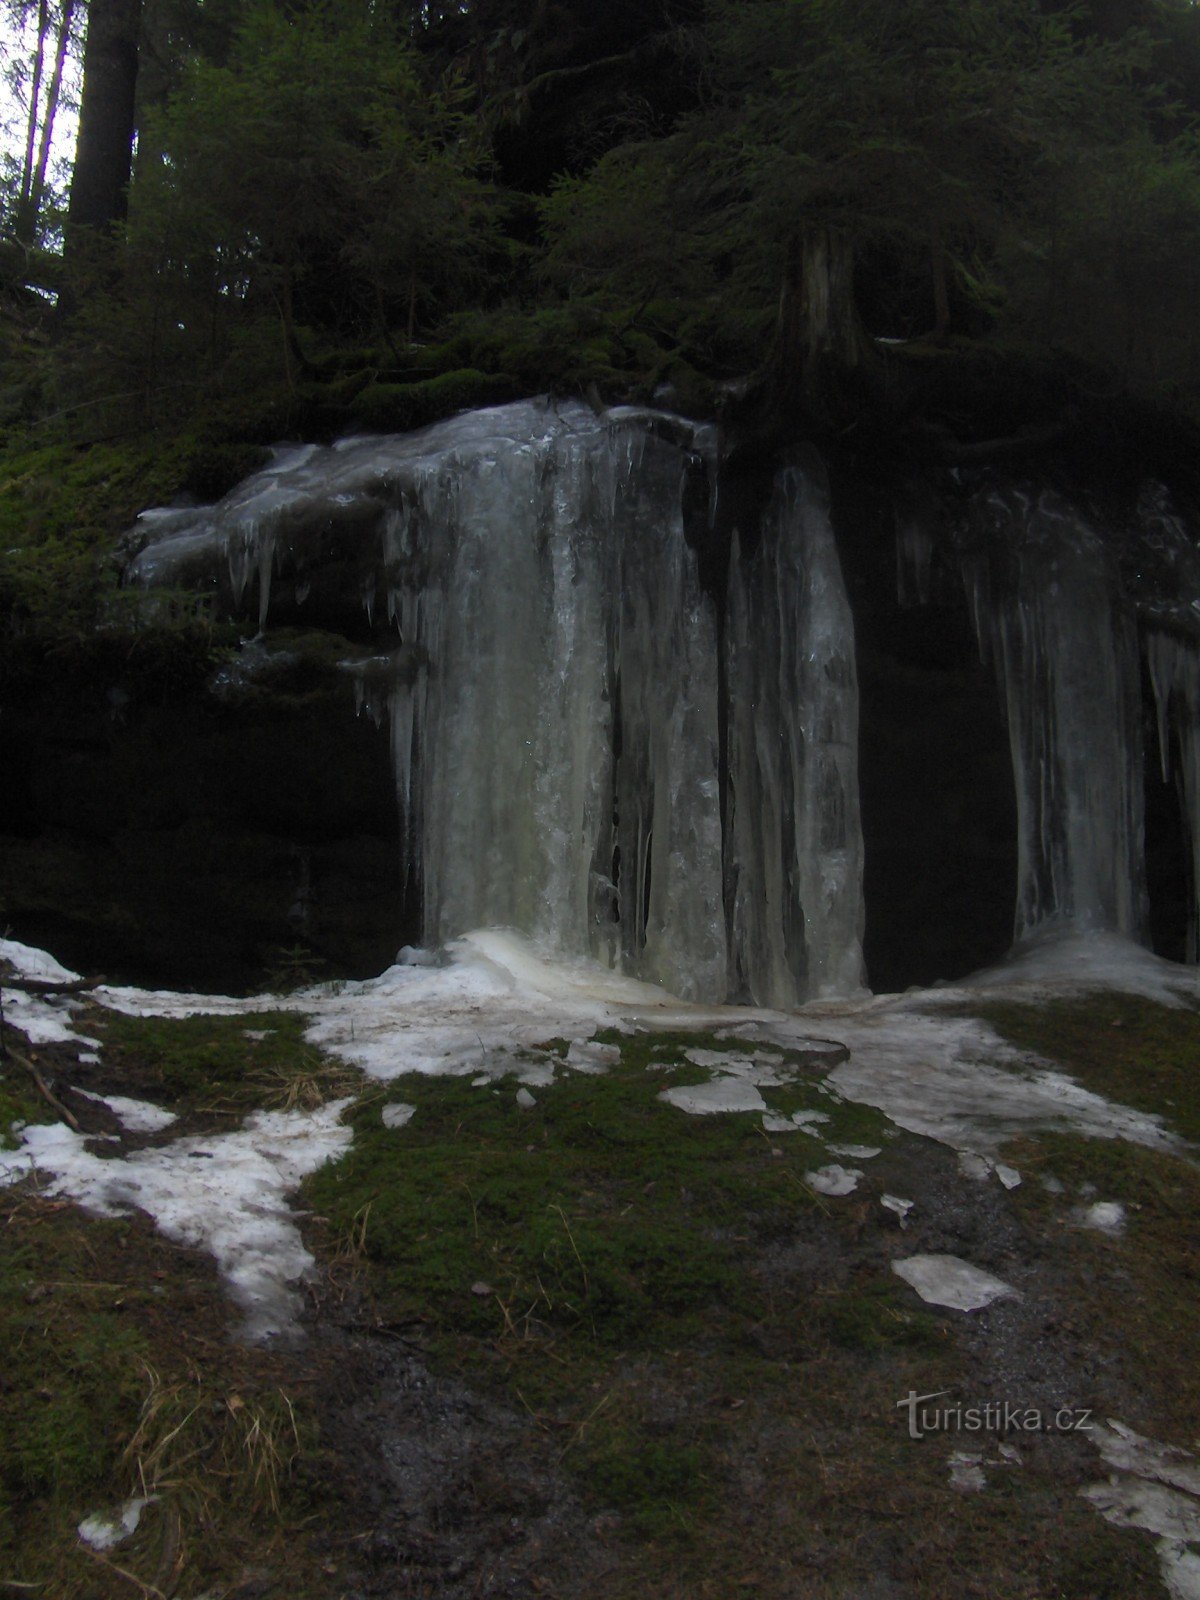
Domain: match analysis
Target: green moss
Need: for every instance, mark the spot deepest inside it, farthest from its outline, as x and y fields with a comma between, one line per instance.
x=876, y=1317
x=395, y=407
x=72, y=1379
x=18, y=1103
x=659, y=1483
x=1126, y=1048
x=206, y=1063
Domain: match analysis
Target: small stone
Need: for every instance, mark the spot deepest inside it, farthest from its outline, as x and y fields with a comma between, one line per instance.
x=525, y=1100
x=481, y=1289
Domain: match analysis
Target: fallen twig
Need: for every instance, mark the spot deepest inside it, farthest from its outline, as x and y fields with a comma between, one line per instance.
x=148, y=1589
x=43, y=1088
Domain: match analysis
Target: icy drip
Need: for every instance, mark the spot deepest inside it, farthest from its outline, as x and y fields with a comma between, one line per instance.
x=1044, y=594
x=667, y=813
x=914, y=561
x=795, y=842
x=1174, y=668
x=550, y=589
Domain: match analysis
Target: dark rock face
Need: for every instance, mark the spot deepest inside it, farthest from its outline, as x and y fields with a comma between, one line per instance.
x=938, y=810
x=201, y=840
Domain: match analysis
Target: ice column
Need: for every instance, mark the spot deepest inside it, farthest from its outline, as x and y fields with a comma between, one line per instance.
x=1045, y=597
x=794, y=839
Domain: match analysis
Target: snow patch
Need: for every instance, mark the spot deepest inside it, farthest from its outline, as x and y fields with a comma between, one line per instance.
x=833, y=1180
x=950, y=1281
x=138, y=1116
x=226, y=1194
x=106, y=1532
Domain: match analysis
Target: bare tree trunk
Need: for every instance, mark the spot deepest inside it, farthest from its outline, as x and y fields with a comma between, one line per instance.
x=51, y=112
x=106, y=117
x=821, y=339
x=35, y=97
x=941, y=289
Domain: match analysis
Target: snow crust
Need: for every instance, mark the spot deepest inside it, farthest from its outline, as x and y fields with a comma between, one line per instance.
x=226, y=1194
x=138, y=1116
x=485, y=1008
x=1154, y=1487
x=43, y=1019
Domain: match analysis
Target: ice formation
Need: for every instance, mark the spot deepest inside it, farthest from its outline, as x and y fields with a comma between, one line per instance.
x=578, y=753
x=1068, y=606
x=1044, y=592
x=951, y=1282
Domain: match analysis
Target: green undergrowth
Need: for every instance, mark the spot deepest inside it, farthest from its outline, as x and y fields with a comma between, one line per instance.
x=1122, y=1046
x=221, y=1064
x=1136, y=1295
x=119, y=1380
x=606, y=1262
x=19, y=1103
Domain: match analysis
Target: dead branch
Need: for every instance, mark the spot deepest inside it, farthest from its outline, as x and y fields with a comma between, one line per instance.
x=43, y=1087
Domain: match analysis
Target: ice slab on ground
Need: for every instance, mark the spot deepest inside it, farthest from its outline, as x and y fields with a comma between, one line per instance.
x=950, y=1281
x=585, y=1055
x=1155, y=1487
x=1106, y=1216
x=966, y=1471
x=898, y=1207
x=722, y=1094
x=398, y=1115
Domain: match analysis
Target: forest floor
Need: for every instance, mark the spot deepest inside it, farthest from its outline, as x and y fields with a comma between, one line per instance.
x=561, y=1338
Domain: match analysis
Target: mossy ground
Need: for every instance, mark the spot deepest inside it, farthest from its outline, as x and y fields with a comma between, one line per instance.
x=700, y=1356
x=1136, y=1295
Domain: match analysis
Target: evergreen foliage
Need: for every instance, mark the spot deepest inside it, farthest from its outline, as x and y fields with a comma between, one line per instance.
x=342, y=214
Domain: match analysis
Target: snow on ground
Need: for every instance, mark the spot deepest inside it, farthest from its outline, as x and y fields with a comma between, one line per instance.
x=483, y=1007
x=226, y=1193
x=1154, y=1487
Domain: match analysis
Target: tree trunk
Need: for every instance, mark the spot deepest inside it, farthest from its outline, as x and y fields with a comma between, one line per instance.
x=823, y=347
x=35, y=95
x=33, y=205
x=104, y=153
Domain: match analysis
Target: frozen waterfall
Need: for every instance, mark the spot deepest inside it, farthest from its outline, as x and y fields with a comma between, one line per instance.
x=1044, y=592
x=584, y=750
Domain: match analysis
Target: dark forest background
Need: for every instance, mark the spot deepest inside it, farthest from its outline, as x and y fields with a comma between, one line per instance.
x=915, y=230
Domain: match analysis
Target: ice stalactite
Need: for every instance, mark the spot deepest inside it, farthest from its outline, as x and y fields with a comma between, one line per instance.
x=1046, y=599
x=795, y=841
x=555, y=704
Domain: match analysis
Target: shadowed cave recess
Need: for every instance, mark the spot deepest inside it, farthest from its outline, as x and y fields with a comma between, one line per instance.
x=755, y=730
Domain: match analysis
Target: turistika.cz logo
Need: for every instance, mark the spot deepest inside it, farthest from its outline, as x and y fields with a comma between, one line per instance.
x=996, y=1416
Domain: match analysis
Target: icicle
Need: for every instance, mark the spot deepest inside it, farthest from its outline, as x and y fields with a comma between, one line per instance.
x=1045, y=597
x=554, y=707
x=914, y=561
x=794, y=840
